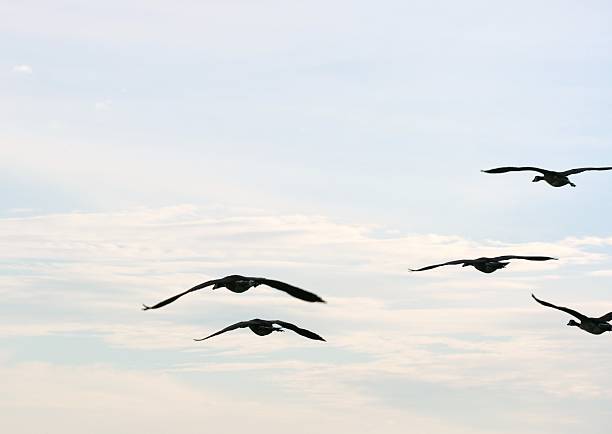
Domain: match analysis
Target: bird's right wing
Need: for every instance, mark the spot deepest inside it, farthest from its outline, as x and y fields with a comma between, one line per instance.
x=529, y=258
x=296, y=292
x=306, y=333
x=583, y=169
x=572, y=312
x=238, y=325
x=173, y=298
x=429, y=267
x=607, y=317
x=516, y=169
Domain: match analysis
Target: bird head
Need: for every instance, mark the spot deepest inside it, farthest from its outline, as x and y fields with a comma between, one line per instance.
x=573, y=323
x=538, y=178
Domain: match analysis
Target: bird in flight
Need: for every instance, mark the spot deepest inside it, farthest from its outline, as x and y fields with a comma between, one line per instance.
x=487, y=265
x=238, y=284
x=556, y=179
x=262, y=327
x=594, y=326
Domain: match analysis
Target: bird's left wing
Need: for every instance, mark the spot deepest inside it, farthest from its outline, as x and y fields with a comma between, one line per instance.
x=572, y=312
x=238, y=325
x=290, y=289
x=529, y=258
x=583, y=169
x=306, y=333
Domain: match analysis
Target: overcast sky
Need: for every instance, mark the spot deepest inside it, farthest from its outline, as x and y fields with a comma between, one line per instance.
x=146, y=146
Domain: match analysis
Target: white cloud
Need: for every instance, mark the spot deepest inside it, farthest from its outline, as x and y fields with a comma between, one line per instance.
x=104, y=265
x=104, y=399
x=104, y=105
x=23, y=69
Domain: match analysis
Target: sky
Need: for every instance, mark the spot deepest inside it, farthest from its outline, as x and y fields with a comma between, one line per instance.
x=147, y=146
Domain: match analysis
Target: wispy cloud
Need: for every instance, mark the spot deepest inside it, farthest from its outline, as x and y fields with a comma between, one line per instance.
x=103, y=105
x=23, y=69
x=439, y=327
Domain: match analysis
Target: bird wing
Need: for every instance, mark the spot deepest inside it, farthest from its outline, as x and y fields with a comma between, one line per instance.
x=572, y=312
x=516, y=169
x=607, y=317
x=429, y=267
x=306, y=333
x=529, y=258
x=173, y=298
x=583, y=169
x=238, y=325
x=290, y=289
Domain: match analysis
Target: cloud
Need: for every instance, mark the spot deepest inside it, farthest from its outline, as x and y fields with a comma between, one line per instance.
x=104, y=105
x=440, y=327
x=23, y=69
x=105, y=399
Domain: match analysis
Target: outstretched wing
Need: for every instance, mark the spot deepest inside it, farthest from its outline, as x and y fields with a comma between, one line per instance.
x=238, y=325
x=529, y=258
x=458, y=261
x=516, y=169
x=607, y=317
x=306, y=333
x=171, y=299
x=572, y=312
x=290, y=289
x=583, y=169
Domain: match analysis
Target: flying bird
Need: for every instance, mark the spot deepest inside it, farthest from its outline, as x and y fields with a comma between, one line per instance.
x=238, y=284
x=594, y=326
x=262, y=327
x=556, y=179
x=487, y=265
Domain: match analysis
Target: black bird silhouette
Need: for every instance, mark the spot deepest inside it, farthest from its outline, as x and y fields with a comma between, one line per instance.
x=594, y=326
x=236, y=283
x=263, y=327
x=487, y=265
x=556, y=179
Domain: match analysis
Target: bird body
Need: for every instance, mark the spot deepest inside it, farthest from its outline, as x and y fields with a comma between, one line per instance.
x=262, y=327
x=236, y=283
x=240, y=284
x=487, y=265
x=556, y=179
x=595, y=326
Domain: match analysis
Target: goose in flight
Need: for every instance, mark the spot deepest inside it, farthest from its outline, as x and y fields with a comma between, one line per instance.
x=594, y=326
x=487, y=265
x=556, y=179
x=238, y=284
x=263, y=327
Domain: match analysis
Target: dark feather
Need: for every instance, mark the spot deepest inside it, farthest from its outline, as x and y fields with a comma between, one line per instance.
x=306, y=333
x=529, y=258
x=583, y=169
x=607, y=317
x=516, y=169
x=572, y=312
x=173, y=298
x=238, y=325
x=429, y=267
x=290, y=289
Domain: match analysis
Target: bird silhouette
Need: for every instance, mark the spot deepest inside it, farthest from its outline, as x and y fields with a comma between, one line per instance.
x=487, y=265
x=262, y=327
x=556, y=179
x=239, y=284
x=594, y=326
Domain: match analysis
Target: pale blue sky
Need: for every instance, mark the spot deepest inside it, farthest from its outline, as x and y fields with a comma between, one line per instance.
x=146, y=146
